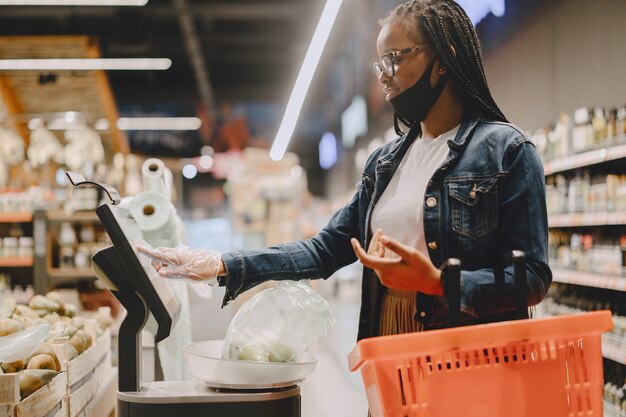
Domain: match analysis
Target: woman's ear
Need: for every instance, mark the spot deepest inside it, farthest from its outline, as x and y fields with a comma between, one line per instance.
x=441, y=70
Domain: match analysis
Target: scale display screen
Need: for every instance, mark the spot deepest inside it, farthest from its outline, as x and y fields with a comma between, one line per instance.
x=156, y=292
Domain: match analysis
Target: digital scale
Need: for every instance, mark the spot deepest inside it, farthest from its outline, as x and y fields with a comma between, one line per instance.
x=224, y=388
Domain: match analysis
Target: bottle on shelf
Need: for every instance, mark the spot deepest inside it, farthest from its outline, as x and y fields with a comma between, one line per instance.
x=9, y=245
x=582, y=133
x=599, y=124
x=25, y=246
x=67, y=235
x=620, y=124
x=611, y=125
x=66, y=256
x=614, y=390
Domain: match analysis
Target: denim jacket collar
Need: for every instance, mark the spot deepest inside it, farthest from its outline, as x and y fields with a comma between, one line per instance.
x=456, y=145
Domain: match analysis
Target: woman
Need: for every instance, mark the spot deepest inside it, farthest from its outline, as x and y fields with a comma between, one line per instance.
x=461, y=183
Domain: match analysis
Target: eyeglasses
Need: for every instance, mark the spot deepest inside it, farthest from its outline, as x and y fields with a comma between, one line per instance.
x=388, y=62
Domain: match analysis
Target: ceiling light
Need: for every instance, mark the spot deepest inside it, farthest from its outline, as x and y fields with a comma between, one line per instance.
x=205, y=162
x=85, y=64
x=102, y=124
x=62, y=124
x=70, y=117
x=35, y=123
x=328, y=151
x=190, y=171
x=159, y=123
x=311, y=59
x=73, y=2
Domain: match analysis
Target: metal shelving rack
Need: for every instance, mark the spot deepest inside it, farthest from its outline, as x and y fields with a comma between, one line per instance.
x=613, y=346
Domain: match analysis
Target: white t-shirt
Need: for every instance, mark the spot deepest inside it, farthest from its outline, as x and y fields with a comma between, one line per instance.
x=400, y=210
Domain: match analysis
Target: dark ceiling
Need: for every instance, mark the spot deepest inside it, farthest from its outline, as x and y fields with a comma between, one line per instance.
x=222, y=52
x=247, y=48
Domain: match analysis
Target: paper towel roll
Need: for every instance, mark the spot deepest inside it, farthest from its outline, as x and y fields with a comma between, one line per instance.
x=153, y=173
x=155, y=217
x=169, y=184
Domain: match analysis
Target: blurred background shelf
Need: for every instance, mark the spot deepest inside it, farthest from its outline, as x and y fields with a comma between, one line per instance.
x=588, y=279
x=585, y=159
x=57, y=273
x=586, y=219
x=16, y=217
x=614, y=348
x=18, y=261
x=79, y=216
x=611, y=410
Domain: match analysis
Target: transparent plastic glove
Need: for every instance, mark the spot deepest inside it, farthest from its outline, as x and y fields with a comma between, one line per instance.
x=183, y=262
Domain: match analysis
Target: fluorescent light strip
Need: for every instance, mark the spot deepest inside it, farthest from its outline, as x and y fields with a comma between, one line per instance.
x=85, y=64
x=73, y=2
x=311, y=59
x=159, y=123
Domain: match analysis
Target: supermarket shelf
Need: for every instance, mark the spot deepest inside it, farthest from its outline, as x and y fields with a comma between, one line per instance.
x=16, y=217
x=586, y=219
x=611, y=410
x=614, y=348
x=79, y=216
x=585, y=159
x=60, y=273
x=568, y=276
x=17, y=261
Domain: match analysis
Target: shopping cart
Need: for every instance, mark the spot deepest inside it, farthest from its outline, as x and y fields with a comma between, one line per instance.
x=549, y=367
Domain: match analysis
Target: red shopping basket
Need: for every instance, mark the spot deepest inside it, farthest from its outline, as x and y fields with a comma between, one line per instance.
x=548, y=367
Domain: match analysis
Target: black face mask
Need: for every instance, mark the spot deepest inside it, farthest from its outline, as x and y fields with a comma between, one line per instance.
x=413, y=104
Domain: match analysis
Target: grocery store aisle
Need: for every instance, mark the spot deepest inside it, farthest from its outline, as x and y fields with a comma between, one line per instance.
x=332, y=390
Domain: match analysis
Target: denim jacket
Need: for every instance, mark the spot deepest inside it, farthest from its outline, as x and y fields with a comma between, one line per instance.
x=486, y=199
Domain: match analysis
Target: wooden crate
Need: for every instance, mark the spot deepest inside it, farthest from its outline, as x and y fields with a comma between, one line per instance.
x=104, y=403
x=71, y=392
x=86, y=374
x=49, y=400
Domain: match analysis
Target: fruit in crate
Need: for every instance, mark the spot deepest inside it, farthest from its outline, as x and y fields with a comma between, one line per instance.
x=10, y=326
x=10, y=367
x=7, y=307
x=67, y=336
x=43, y=349
x=81, y=341
x=40, y=302
x=33, y=379
x=43, y=361
x=63, y=328
x=24, y=311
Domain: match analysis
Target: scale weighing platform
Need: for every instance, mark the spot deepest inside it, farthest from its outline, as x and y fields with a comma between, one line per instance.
x=131, y=279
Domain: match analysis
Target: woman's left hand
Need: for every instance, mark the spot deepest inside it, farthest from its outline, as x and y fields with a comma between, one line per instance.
x=411, y=271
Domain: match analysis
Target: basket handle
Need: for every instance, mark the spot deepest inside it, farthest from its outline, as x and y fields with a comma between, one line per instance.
x=452, y=269
x=518, y=259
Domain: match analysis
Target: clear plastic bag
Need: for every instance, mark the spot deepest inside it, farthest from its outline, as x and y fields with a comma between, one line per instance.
x=278, y=323
x=22, y=344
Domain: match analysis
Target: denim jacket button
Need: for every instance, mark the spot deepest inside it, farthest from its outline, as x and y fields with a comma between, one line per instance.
x=432, y=245
x=431, y=202
x=422, y=314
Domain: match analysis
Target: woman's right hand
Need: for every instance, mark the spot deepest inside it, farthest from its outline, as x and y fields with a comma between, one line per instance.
x=376, y=248
x=183, y=262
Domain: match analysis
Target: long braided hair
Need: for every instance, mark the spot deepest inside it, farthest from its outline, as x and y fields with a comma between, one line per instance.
x=448, y=28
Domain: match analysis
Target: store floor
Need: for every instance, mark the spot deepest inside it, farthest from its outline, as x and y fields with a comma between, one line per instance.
x=332, y=390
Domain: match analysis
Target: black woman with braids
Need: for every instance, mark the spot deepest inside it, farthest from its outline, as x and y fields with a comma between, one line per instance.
x=460, y=182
